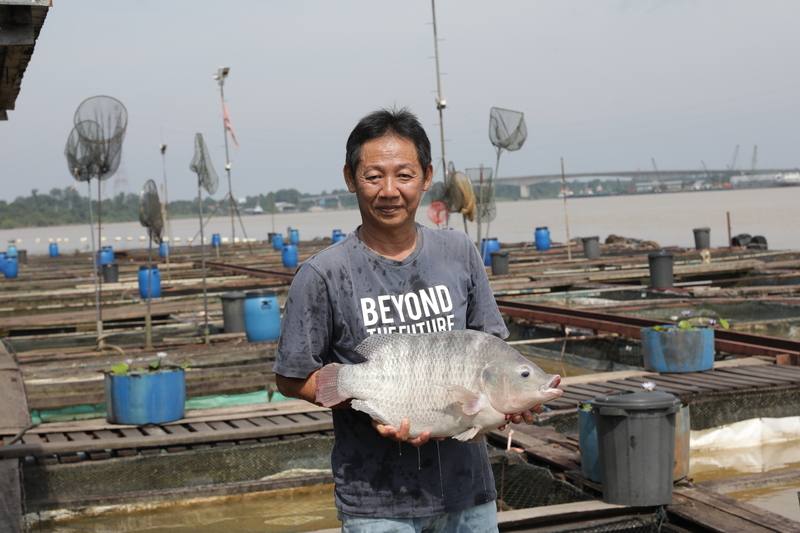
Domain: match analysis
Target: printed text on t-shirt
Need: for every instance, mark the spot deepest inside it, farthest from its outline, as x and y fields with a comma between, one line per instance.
x=422, y=311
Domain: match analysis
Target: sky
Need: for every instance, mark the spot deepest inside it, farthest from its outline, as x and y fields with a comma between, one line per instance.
x=606, y=84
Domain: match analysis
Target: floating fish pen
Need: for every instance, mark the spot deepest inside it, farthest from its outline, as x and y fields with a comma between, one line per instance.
x=582, y=316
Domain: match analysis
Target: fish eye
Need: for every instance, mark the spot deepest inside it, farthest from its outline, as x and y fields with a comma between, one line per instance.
x=525, y=373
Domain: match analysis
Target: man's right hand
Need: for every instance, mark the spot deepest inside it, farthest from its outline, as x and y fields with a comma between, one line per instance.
x=401, y=434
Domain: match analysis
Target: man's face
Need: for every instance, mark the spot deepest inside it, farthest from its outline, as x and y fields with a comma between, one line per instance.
x=389, y=182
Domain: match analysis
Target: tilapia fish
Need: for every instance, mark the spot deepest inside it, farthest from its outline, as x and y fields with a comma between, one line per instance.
x=453, y=384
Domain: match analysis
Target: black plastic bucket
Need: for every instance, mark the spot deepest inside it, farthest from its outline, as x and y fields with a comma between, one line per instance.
x=591, y=247
x=110, y=272
x=661, y=276
x=233, y=311
x=702, y=238
x=499, y=263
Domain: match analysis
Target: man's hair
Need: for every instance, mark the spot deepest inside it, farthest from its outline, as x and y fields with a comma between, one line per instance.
x=400, y=122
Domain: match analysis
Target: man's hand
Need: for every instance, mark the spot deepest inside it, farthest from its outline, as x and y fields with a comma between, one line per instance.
x=525, y=416
x=401, y=434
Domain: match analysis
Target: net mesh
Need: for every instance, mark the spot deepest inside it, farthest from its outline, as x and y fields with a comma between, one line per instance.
x=507, y=128
x=100, y=124
x=481, y=177
x=150, y=211
x=202, y=166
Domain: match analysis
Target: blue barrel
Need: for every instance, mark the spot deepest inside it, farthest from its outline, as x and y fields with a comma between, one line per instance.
x=216, y=240
x=542, y=238
x=489, y=245
x=338, y=235
x=262, y=316
x=671, y=349
x=53, y=249
x=105, y=256
x=3, y=259
x=163, y=249
x=11, y=251
x=587, y=438
x=11, y=267
x=294, y=236
x=289, y=256
x=155, y=282
x=146, y=398
x=277, y=241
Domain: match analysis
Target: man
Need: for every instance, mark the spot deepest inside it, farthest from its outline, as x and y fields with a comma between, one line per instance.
x=367, y=284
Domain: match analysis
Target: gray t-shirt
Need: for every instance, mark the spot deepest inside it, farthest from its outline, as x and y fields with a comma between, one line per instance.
x=348, y=292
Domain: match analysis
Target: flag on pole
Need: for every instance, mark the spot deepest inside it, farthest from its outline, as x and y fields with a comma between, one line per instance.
x=226, y=116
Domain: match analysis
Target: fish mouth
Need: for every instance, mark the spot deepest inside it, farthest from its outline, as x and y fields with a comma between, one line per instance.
x=554, y=382
x=551, y=388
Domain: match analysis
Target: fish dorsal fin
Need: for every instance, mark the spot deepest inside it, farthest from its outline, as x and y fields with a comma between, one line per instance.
x=471, y=402
x=376, y=345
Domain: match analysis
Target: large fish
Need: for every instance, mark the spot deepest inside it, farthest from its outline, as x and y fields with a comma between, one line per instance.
x=453, y=384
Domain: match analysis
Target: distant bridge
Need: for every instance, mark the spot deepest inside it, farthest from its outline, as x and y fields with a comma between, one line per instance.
x=523, y=182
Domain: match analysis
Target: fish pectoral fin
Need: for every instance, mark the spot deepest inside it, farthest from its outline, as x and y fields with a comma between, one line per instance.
x=471, y=402
x=365, y=407
x=469, y=434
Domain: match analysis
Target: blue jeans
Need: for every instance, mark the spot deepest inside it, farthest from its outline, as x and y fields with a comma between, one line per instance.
x=478, y=519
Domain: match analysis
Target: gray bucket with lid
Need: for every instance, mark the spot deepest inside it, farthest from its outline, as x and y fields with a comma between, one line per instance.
x=233, y=311
x=636, y=438
x=702, y=238
x=591, y=247
x=110, y=272
x=499, y=263
x=661, y=276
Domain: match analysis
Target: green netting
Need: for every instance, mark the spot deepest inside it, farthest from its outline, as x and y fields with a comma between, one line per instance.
x=98, y=410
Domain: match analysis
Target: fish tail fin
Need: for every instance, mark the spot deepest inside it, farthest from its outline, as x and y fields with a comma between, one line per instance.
x=328, y=393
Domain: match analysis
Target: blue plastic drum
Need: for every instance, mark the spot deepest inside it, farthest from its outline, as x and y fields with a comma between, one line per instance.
x=147, y=398
x=163, y=249
x=277, y=241
x=542, y=238
x=216, y=240
x=338, y=236
x=154, y=282
x=334, y=233
x=289, y=256
x=3, y=259
x=105, y=256
x=590, y=454
x=489, y=245
x=10, y=268
x=294, y=236
x=262, y=316
x=53, y=249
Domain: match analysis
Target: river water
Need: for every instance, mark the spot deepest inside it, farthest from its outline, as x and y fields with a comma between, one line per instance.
x=667, y=218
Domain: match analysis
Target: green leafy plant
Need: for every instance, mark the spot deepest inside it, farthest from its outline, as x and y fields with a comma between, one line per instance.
x=689, y=322
x=153, y=365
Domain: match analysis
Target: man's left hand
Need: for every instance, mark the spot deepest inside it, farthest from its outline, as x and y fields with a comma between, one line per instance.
x=519, y=418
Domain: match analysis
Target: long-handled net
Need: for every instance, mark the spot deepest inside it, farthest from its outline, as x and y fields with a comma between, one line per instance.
x=150, y=216
x=206, y=179
x=94, y=151
x=507, y=131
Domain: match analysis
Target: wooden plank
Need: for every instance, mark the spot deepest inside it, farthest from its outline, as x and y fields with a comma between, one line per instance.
x=673, y=388
x=79, y=436
x=747, y=515
x=201, y=428
x=674, y=380
x=775, y=374
x=751, y=380
x=770, y=376
x=14, y=416
x=284, y=426
x=703, y=382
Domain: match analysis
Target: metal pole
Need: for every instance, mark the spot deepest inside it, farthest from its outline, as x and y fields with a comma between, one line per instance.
x=100, y=341
x=96, y=265
x=164, y=207
x=148, y=320
x=203, y=261
x=440, y=102
x=227, y=157
x=728, y=218
x=566, y=215
x=479, y=213
x=491, y=190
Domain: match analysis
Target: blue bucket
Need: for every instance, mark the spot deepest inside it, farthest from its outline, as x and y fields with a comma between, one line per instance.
x=289, y=256
x=542, y=238
x=590, y=452
x=10, y=267
x=53, y=249
x=489, y=245
x=154, y=285
x=262, y=316
x=105, y=256
x=277, y=241
x=677, y=350
x=163, y=249
x=294, y=236
x=216, y=240
x=3, y=259
x=338, y=236
x=11, y=251
x=148, y=398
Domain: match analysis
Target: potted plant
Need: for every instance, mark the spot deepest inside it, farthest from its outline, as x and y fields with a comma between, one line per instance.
x=687, y=346
x=151, y=394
